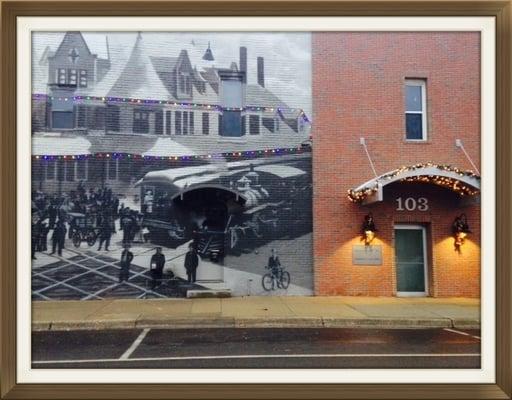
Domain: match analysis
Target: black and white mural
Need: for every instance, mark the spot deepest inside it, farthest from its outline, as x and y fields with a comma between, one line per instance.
x=171, y=165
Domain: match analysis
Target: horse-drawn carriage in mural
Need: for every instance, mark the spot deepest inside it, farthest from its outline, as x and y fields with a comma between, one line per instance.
x=227, y=208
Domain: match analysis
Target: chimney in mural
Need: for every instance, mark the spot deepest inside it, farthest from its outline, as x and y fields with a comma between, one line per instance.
x=261, y=72
x=243, y=62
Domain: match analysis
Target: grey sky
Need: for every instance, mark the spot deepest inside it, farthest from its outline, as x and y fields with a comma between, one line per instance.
x=287, y=55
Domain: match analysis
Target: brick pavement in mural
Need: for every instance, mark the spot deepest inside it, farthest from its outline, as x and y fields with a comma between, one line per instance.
x=89, y=276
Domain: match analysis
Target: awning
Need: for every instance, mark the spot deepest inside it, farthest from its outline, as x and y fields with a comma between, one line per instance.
x=465, y=183
x=58, y=145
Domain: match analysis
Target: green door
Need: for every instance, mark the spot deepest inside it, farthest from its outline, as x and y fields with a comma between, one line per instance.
x=410, y=260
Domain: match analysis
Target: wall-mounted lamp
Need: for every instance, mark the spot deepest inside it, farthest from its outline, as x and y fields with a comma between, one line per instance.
x=460, y=229
x=368, y=229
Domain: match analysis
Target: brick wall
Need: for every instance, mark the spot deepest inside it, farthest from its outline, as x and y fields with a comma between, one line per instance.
x=359, y=91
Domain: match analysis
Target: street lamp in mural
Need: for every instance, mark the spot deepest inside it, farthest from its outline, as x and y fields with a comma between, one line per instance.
x=368, y=229
x=460, y=229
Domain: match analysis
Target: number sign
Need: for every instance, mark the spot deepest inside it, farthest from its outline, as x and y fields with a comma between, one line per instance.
x=412, y=204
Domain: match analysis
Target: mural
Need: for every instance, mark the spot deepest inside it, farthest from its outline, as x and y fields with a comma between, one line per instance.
x=171, y=165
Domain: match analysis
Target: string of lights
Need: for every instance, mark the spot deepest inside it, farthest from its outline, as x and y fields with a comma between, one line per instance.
x=184, y=105
x=357, y=196
x=235, y=154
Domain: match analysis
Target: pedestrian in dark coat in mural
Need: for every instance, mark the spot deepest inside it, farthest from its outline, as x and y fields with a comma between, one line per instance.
x=35, y=237
x=105, y=234
x=126, y=225
x=52, y=214
x=191, y=263
x=43, y=237
x=156, y=266
x=58, y=237
x=126, y=260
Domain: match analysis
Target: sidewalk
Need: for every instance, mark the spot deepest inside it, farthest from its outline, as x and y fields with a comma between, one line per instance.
x=258, y=312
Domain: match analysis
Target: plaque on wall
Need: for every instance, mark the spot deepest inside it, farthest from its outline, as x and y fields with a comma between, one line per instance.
x=367, y=255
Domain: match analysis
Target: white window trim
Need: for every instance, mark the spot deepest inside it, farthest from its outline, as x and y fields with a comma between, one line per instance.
x=423, y=112
x=107, y=170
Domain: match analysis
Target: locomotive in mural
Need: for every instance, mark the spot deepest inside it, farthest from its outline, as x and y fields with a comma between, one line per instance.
x=228, y=208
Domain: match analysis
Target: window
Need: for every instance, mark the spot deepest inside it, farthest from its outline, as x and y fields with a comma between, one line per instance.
x=185, y=123
x=113, y=118
x=254, y=124
x=141, y=121
x=62, y=113
x=72, y=76
x=112, y=172
x=177, y=122
x=50, y=170
x=415, y=110
x=167, y=122
x=159, y=122
x=231, y=97
x=206, y=123
x=83, y=78
x=269, y=123
x=184, y=84
x=81, y=170
x=61, y=76
x=99, y=118
x=81, y=116
x=191, y=122
x=69, y=171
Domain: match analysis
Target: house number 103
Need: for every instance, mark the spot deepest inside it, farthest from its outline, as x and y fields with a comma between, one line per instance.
x=411, y=204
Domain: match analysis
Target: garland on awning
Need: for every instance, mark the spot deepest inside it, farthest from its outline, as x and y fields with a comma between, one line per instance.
x=185, y=105
x=357, y=196
x=231, y=154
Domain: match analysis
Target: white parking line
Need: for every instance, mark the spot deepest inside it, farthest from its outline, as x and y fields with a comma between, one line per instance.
x=134, y=345
x=462, y=333
x=249, y=356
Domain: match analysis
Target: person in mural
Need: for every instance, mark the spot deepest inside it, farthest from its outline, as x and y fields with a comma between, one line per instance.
x=156, y=266
x=274, y=264
x=43, y=237
x=58, y=237
x=105, y=233
x=127, y=223
x=191, y=263
x=148, y=201
x=126, y=260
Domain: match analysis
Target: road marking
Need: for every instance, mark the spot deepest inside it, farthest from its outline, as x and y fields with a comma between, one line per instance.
x=249, y=356
x=135, y=344
x=462, y=333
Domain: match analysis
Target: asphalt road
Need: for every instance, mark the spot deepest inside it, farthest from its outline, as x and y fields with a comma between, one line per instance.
x=257, y=348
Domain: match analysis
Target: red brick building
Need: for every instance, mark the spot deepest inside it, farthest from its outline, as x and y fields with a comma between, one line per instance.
x=415, y=99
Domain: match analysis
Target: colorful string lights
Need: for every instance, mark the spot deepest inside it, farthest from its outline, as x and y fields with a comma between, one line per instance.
x=357, y=196
x=300, y=112
x=235, y=154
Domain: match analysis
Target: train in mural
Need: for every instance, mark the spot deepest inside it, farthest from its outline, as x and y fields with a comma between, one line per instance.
x=230, y=207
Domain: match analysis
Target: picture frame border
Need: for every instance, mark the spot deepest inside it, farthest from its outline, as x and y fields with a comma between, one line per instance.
x=10, y=10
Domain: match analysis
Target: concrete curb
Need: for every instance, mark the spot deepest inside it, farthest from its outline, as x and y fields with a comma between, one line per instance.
x=227, y=322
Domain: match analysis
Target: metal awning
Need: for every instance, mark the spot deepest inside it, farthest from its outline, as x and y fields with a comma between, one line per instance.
x=465, y=183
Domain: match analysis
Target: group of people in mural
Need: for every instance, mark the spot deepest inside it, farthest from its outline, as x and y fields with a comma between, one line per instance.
x=71, y=212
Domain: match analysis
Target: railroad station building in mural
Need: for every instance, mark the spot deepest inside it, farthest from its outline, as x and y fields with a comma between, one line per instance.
x=352, y=156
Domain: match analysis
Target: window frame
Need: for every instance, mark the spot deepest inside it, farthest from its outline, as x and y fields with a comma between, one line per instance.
x=205, y=119
x=422, y=83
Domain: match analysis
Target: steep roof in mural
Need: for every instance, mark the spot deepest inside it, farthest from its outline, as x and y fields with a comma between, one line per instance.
x=139, y=78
